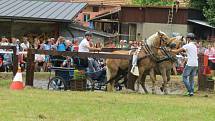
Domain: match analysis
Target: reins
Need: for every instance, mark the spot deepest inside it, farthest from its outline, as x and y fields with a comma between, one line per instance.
x=148, y=51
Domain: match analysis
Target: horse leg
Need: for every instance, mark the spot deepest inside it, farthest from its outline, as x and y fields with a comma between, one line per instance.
x=164, y=76
x=168, y=74
x=131, y=81
x=111, y=74
x=138, y=81
x=152, y=77
x=143, y=80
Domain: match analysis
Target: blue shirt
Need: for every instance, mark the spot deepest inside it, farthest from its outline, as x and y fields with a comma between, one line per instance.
x=61, y=47
x=47, y=47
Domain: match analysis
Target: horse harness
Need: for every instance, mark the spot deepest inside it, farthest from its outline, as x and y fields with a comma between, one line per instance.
x=148, y=51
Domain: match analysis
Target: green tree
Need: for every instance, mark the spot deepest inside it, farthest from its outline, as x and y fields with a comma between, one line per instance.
x=209, y=12
x=152, y=2
x=198, y=4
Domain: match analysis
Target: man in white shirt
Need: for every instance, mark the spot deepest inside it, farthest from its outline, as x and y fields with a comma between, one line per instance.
x=25, y=45
x=84, y=46
x=192, y=63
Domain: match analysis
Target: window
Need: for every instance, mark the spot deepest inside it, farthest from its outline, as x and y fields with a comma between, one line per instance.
x=95, y=9
x=86, y=17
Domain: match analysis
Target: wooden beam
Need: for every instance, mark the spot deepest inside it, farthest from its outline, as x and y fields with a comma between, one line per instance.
x=82, y=54
x=113, y=49
x=7, y=47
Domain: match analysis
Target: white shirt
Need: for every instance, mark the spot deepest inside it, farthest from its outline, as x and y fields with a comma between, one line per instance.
x=25, y=46
x=83, y=46
x=192, y=56
x=4, y=44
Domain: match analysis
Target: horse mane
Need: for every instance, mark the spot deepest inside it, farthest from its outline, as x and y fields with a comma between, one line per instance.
x=181, y=38
x=151, y=40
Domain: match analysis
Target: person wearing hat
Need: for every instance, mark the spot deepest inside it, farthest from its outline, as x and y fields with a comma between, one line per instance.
x=84, y=46
x=192, y=62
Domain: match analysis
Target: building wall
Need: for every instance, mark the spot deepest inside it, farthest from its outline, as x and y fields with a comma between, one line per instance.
x=5, y=29
x=41, y=30
x=89, y=10
x=21, y=28
x=158, y=14
x=147, y=29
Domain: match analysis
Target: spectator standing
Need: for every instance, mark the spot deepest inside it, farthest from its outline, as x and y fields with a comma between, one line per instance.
x=209, y=51
x=7, y=61
x=75, y=45
x=61, y=45
x=123, y=44
x=201, y=48
x=134, y=44
x=46, y=46
x=4, y=41
x=69, y=46
x=111, y=45
x=25, y=45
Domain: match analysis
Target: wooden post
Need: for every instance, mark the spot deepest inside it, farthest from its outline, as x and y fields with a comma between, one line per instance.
x=15, y=60
x=203, y=83
x=30, y=68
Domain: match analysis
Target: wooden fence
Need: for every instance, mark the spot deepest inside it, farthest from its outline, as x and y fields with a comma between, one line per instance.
x=203, y=83
x=31, y=57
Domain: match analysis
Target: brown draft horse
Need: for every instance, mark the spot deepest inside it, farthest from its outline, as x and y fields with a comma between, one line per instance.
x=119, y=67
x=164, y=68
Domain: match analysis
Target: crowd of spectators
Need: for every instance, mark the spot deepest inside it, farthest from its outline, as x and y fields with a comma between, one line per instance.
x=59, y=44
x=62, y=44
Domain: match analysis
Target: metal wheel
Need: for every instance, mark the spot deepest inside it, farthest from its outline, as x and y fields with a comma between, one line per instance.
x=57, y=83
x=90, y=83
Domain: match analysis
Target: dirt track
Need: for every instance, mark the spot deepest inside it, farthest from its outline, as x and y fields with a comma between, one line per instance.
x=176, y=85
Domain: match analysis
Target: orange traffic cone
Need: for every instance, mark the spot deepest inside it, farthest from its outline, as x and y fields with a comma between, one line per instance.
x=17, y=83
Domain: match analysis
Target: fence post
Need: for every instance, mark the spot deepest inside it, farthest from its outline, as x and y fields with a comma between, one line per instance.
x=203, y=83
x=202, y=79
x=15, y=60
x=30, y=68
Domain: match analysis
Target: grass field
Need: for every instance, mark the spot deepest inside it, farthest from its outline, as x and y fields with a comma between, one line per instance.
x=42, y=105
